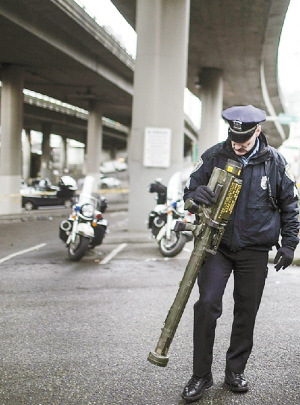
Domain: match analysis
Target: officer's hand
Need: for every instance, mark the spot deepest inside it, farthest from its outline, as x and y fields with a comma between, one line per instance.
x=204, y=195
x=284, y=257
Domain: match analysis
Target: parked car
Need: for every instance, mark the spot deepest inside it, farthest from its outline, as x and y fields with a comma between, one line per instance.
x=109, y=182
x=113, y=166
x=43, y=193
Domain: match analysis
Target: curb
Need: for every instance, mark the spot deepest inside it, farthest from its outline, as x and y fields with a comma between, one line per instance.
x=51, y=213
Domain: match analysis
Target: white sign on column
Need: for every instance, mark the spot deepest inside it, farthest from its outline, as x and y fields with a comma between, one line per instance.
x=157, y=147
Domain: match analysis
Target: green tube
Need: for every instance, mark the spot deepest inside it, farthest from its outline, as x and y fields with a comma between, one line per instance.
x=207, y=238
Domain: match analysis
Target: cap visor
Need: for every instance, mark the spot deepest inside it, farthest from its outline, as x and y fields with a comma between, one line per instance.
x=240, y=138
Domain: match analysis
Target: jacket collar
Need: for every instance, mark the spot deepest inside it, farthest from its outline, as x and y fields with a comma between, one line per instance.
x=260, y=156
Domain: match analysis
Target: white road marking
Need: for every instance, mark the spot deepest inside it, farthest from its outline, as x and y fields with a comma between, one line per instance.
x=21, y=252
x=113, y=253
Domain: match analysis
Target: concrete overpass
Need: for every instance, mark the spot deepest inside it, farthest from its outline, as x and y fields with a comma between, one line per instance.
x=53, y=47
x=228, y=50
x=69, y=122
x=240, y=40
x=65, y=54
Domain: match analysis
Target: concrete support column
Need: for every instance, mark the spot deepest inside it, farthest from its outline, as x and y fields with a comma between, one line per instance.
x=11, y=139
x=211, y=94
x=158, y=103
x=63, y=155
x=26, y=155
x=46, y=169
x=94, y=142
x=113, y=153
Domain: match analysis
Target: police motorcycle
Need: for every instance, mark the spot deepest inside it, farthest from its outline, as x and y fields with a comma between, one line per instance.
x=85, y=228
x=158, y=216
x=169, y=209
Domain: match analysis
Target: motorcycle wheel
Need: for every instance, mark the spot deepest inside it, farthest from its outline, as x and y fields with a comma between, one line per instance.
x=77, y=249
x=173, y=246
x=158, y=222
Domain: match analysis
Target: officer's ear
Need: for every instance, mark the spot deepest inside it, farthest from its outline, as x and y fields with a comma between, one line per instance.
x=258, y=131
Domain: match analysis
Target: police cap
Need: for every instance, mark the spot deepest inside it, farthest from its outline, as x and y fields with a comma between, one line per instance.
x=243, y=121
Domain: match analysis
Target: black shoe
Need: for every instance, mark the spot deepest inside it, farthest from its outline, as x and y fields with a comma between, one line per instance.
x=196, y=386
x=236, y=381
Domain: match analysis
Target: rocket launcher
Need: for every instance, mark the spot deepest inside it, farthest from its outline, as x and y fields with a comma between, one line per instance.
x=208, y=233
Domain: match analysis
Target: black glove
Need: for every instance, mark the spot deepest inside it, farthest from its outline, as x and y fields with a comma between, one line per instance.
x=284, y=257
x=204, y=195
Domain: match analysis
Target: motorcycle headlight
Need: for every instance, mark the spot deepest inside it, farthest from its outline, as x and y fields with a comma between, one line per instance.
x=87, y=210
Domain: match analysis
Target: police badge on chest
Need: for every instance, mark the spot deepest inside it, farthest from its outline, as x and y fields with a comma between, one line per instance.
x=264, y=182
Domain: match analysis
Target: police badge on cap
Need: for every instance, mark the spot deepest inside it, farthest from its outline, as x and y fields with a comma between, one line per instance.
x=243, y=121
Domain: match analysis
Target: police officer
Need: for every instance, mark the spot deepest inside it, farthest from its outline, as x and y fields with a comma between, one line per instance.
x=266, y=207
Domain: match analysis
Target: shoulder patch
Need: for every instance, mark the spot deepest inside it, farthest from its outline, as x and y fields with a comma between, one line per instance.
x=198, y=165
x=288, y=172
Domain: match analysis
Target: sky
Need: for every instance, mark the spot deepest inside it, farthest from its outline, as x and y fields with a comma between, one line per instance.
x=106, y=14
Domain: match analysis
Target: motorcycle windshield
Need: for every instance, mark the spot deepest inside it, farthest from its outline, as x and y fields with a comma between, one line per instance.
x=86, y=194
x=175, y=189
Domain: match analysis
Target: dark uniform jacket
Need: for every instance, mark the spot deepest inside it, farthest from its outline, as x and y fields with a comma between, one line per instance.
x=254, y=223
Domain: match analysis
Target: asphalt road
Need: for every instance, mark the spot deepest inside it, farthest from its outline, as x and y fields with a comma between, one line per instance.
x=80, y=333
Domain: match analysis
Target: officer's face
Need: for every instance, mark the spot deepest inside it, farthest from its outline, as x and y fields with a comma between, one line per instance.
x=241, y=149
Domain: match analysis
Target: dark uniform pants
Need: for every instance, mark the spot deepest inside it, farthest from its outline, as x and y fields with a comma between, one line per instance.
x=250, y=271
